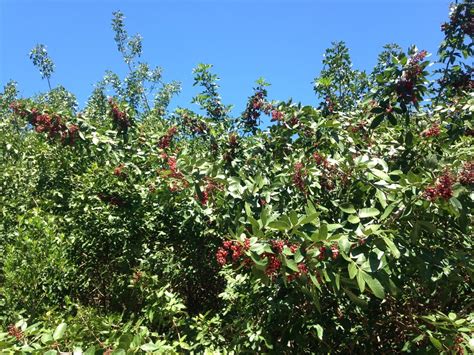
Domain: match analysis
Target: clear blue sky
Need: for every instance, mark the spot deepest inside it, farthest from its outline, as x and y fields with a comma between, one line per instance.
x=282, y=41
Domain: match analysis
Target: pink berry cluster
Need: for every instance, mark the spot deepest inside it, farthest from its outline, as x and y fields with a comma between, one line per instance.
x=52, y=124
x=302, y=270
x=433, y=131
x=329, y=104
x=16, y=332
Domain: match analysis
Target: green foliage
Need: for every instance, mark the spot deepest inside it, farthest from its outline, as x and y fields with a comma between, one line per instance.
x=340, y=229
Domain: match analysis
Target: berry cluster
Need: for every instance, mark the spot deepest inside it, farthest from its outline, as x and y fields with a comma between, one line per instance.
x=462, y=19
x=466, y=176
x=273, y=265
x=119, y=118
x=323, y=252
x=16, y=332
x=433, y=131
x=233, y=249
x=165, y=141
x=208, y=190
x=118, y=171
x=407, y=83
x=256, y=105
x=299, y=177
x=329, y=172
x=178, y=181
x=137, y=276
x=303, y=270
x=277, y=116
x=232, y=145
x=195, y=125
x=443, y=188
x=112, y=200
x=329, y=104
x=53, y=125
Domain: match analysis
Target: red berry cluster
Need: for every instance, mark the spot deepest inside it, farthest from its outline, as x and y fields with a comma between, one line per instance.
x=165, y=141
x=277, y=246
x=179, y=182
x=433, y=131
x=303, y=270
x=119, y=118
x=443, y=188
x=329, y=104
x=211, y=186
x=273, y=266
x=466, y=176
x=323, y=251
x=233, y=249
x=16, y=332
x=277, y=116
x=319, y=159
x=359, y=127
x=137, y=276
x=118, y=170
x=232, y=145
x=256, y=105
x=193, y=124
x=113, y=200
x=461, y=18
x=330, y=172
x=53, y=125
x=407, y=83
x=299, y=176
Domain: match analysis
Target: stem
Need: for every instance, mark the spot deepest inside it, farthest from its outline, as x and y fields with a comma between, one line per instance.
x=144, y=98
x=49, y=83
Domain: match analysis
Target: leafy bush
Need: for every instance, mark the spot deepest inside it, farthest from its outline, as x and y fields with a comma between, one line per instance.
x=345, y=228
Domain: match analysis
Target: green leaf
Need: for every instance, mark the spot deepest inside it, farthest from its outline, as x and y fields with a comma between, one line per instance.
x=380, y=174
x=377, y=121
x=368, y=212
x=357, y=300
x=352, y=268
x=347, y=208
x=353, y=219
x=391, y=245
x=436, y=343
x=375, y=286
x=149, y=347
x=279, y=225
x=292, y=265
x=59, y=332
x=309, y=218
x=361, y=281
x=323, y=231
x=319, y=331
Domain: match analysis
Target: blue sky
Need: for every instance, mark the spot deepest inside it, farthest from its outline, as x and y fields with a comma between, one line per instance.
x=282, y=41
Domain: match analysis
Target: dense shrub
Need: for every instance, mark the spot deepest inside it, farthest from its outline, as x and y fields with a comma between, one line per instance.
x=343, y=228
